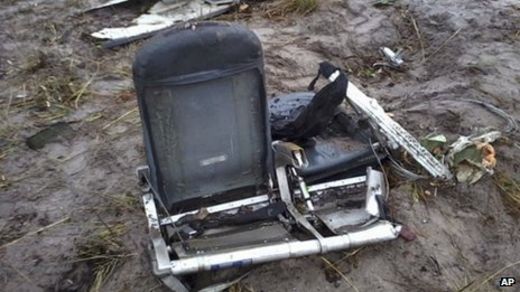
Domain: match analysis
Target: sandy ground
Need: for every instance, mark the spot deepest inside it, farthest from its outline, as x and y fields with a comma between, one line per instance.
x=85, y=180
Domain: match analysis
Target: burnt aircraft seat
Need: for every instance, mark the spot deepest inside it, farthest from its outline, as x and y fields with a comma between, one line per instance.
x=218, y=192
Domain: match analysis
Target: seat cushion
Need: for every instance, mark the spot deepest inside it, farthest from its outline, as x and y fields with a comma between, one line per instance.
x=335, y=156
x=342, y=148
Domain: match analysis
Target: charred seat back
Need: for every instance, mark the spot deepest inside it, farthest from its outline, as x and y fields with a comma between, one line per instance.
x=203, y=106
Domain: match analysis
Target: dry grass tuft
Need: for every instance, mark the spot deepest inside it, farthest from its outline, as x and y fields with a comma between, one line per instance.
x=61, y=87
x=125, y=202
x=240, y=287
x=490, y=280
x=8, y=139
x=54, y=83
x=418, y=193
x=283, y=8
x=104, y=252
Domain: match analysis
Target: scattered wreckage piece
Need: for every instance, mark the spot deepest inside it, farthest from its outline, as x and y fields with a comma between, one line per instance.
x=392, y=59
x=161, y=16
x=435, y=143
x=394, y=135
x=100, y=4
x=375, y=230
x=333, y=140
x=304, y=121
x=209, y=151
x=473, y=156
x=469, y=157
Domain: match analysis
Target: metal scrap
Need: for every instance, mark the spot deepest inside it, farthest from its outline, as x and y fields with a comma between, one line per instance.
x=394, y=134
x=161, y=16
x=393, y=59
x=435, y=143
x=472, y=157
x=99, y=4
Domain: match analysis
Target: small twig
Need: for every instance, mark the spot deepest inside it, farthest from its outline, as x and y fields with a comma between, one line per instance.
x=35, y=232
x=421, y=43
x=8, y=107
x=356, y=251
x=82, y=91
x=118, y=119
x=340, y=273
x=93, y=117
x=443, y=44
x=465, y=286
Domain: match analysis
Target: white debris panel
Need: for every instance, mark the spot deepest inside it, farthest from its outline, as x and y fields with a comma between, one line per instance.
x=163, y=15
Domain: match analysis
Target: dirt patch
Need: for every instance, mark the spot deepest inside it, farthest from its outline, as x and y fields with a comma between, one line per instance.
x=453, y=50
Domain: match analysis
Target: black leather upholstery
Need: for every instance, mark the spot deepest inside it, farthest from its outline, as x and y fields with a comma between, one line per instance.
x=328, y=154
